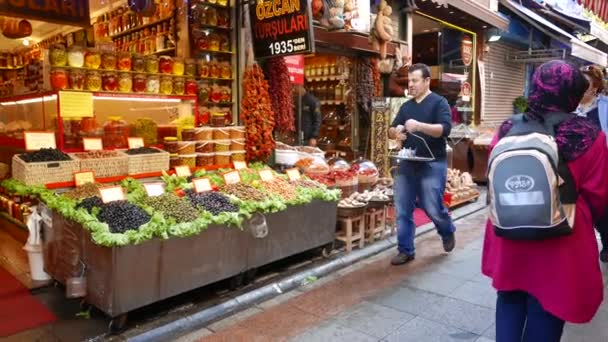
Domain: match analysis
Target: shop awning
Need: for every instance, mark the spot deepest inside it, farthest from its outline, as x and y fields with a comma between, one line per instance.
x=479, y=11
x=599, y=32
x=579, y=48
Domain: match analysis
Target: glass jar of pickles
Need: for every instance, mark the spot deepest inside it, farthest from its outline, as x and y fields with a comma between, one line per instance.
x=166, y=64
x=190, y=67
x=179, y=86
x=93, y=81
x=226, y=70
x=191, y=87
x=153, y=84
x=138, y=63
x=166, y=85
x=203, y=68
x=139, y=83
x=178, y=66
x=214, y=69
x=109, y=81
x=108, y=60
x=76, y=80
x=125, y=82
x=124, y=61
x=76, y=56
x=58, y=56
x=92, y=59
x=59, y=79
x=214, y=42
x=224, y=43
x=204, y=92
x=115, y=133
x=152, y=64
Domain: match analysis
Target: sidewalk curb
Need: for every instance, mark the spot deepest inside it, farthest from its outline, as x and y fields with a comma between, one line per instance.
x=200, y=319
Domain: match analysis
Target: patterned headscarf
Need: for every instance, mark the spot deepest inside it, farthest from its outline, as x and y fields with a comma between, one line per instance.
x=557, y=86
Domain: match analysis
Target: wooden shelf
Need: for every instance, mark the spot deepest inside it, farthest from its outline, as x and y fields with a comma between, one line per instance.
x=219, y=104
x=325, y=78
x=202, y=52
x=139, y=28
x=14, y=68
x=202, y=27
x=215, y=79
x=203, y=4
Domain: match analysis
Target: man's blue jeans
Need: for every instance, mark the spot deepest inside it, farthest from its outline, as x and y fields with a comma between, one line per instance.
x=425, y=181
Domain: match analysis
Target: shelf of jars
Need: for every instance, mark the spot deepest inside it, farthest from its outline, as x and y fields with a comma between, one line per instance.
x=219, y=4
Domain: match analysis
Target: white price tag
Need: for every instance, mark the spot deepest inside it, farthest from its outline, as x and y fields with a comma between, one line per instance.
x=266, y=175
x=154, y=189
x=111, y=194
x=293, y=174
x=92, y=144
x=136, y=142
x=232, y=177
x=239, y=165
x=183, y=171
x=202, y=185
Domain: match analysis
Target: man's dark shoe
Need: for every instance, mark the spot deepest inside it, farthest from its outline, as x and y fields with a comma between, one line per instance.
x=401, y=259
x=604, y=255
x=449, y=243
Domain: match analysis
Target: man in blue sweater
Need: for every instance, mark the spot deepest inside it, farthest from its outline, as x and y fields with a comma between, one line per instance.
x=428, y=116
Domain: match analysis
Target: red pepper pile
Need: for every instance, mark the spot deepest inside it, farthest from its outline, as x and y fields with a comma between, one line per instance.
x=257, y=114
x=281, y=90
x=332, y=177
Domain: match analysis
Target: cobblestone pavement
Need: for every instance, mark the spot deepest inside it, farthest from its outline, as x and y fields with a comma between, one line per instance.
x=438, y=297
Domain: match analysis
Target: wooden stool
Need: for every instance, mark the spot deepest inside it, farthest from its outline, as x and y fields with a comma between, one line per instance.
x=375, y=224
x=352, y=229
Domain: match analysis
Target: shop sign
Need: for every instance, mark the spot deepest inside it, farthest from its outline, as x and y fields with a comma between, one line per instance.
x=73, y=104
x=281, y=28
x=202, y=185
x=295, y=68
x=154, y=189
x=112, y=194
x=467, y=50
x=64, y=12
x=81, y=178
x=465, y=91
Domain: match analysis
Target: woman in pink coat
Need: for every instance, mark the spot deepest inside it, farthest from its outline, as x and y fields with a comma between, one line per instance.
x=541, y=284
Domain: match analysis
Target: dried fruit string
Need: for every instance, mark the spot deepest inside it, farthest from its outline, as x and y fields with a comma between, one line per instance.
x=257, y=114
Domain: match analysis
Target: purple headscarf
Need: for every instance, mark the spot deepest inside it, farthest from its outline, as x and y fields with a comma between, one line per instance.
x=559, y=86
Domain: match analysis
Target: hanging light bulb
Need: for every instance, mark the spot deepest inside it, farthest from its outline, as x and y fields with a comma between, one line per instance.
x=26, y=42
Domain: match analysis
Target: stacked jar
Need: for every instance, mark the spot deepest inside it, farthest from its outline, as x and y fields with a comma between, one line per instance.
x=237, y=145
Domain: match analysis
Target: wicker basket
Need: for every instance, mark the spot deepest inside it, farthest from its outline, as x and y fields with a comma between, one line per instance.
x=105, y=167
x=44, y=173
x=147, y=163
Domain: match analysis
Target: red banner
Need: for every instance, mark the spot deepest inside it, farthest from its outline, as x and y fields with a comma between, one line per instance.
x=295, y=67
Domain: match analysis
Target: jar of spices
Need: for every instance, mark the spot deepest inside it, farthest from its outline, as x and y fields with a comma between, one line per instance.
x=191, y=87
x=109, y=81
x=76, y=80
x=92, y=59
x=93, y=81
x=152, y=65
x=171, y=145
x=58, y=55
x=190, y=67
x=221, y=133
x=76, y=56
x=189, y=134
x=222, y=158
x=237, y=145
x=188, y=160
x=166, y=64
x=178, y=66
x=222, y=146
x=139, y=64
x=109, y=60
x=237, y=132
x=204, y=92
x=125, y=82
x=186, y=147
x=214, y=70
x=59, y=79
x=214, y=42
x=218, y=120
x=179, y=86
x=153, y=84
x=224, y=43
x=205, y=146
x=124, y=61
x=205, y=159
x=166, y=85
x=139, y=83
x=174, y=161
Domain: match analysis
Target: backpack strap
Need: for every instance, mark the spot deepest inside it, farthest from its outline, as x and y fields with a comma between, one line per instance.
x=567, y=191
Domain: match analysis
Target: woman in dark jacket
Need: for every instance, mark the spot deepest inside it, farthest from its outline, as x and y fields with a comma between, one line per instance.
x=588, y=108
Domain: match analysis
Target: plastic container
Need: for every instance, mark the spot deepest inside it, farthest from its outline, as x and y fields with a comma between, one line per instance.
x=338, y=164
x=222, y=145
x=76, y=56
x=188, y=160
x=237, y=132
x=189, y=134
x=237, y=156
x=204, y=133
x=57, y=55
x=115, y=133
x=221, y=133
x=171, y=145
x=205, y=159
x=36, y=261
x=237, y=145
x=205, y=146
x=367, y=173
x=222, y=158
x=186, y=148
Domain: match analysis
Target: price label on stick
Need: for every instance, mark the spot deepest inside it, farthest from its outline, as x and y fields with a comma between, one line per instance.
x=111, y=194
x=34, y=141
x=81, y=178
x=183, y=171
x=266, y=175
x=202, y=185
x=92, y=144
x=136, y=142
x=239, y=165
x=154, y=189
x=232, y=177
x=293, y=174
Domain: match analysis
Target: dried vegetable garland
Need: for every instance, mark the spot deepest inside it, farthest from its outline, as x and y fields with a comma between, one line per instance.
x=365, y=84
x=281, y=90
x=257, y=114
x=376, y=75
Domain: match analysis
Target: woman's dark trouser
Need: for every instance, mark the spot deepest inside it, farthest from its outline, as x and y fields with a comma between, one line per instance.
x=521, y=318
x=601, y=226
